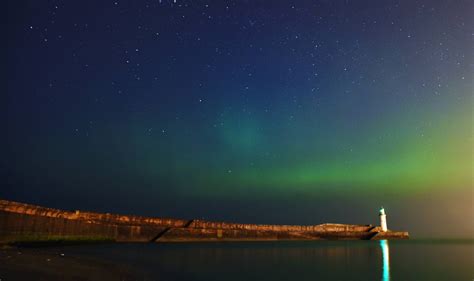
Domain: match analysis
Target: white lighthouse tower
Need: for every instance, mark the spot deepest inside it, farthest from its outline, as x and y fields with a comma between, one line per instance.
x=383, y=219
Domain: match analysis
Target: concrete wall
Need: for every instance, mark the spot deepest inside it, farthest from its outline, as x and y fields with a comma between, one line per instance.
x=20, y=221
x=23, y=227
x=264, y=227
x=22, y=208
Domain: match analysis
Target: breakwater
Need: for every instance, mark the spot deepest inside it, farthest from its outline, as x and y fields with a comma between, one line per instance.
x=25, y=222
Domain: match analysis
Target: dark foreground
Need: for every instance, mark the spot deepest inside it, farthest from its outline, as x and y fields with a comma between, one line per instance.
x=296, y=260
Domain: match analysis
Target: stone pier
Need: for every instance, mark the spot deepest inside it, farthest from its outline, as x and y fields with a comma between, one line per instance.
x=24, y=222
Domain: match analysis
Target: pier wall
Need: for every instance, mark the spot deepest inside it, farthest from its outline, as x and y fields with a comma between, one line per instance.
x=24, y=222
x=27, y=209
x=24, y=227
x=265, y=227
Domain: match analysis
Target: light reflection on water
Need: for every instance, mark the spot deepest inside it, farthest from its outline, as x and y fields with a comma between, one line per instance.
x=283, y=260
x=385, y=260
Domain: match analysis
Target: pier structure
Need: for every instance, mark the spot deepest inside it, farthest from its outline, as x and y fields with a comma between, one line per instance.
x=25, y=222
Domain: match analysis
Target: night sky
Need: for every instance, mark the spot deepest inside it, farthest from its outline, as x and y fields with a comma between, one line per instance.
x=292, y=112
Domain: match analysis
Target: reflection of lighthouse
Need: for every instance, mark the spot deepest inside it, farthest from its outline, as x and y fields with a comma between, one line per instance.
x=385, y=260
x=383, y=219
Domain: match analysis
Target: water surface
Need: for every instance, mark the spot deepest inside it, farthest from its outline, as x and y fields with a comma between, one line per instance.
x=323, y=260
x=299, y=260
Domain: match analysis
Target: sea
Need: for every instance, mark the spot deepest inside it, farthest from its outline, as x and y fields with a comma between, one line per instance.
x=394, y=260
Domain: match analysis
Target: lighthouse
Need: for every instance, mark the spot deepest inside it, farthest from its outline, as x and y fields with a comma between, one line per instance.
x=383, y=219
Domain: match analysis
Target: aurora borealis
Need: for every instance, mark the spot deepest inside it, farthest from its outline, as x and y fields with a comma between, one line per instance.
x=257, y=111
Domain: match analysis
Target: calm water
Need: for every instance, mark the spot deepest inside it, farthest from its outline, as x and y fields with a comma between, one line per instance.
x=316, y=260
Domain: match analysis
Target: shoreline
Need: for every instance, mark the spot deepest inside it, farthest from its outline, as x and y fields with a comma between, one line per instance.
x=39, y=263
